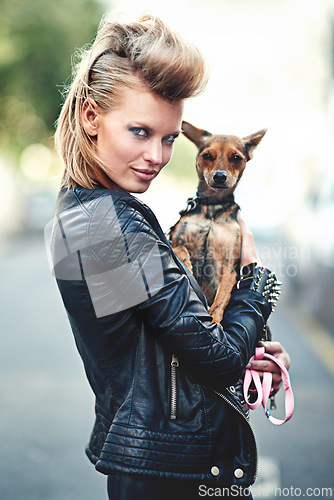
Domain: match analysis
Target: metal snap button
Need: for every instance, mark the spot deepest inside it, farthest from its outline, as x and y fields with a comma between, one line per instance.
x=238, y=473
x=214, y=470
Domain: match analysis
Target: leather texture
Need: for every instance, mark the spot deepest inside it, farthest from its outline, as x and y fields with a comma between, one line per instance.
x=127, y=349
x=121, y=487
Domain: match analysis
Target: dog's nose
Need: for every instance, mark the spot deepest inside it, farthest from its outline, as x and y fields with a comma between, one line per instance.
x=220, y=177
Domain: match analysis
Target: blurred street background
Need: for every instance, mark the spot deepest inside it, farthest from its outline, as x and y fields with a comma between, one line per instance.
x=272, y=65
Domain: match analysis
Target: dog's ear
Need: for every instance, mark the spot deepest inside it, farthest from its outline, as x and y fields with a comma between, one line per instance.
x=251, y=141
x=195, y=135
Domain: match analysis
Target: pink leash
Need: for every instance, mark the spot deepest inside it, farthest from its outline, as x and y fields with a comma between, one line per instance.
x=263, y=390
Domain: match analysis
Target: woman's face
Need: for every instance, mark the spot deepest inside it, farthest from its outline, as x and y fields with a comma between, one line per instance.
x=135, y=139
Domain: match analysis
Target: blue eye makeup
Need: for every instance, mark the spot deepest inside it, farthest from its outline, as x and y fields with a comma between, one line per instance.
x=144, y=133
x=169, y=139
x=139, y=131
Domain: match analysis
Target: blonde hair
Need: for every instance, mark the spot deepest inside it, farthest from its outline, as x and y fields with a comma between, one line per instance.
x=147, y=48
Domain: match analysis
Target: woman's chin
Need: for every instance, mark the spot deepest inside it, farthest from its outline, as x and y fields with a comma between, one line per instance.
x=139, y=189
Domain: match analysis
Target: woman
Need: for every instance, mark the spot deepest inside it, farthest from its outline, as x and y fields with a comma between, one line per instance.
x=169, y=421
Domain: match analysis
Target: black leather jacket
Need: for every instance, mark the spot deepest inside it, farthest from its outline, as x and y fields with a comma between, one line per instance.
x=163, y=374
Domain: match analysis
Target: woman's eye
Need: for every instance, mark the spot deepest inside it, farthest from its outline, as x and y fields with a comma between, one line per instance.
x=139, y=132
x=169, y=139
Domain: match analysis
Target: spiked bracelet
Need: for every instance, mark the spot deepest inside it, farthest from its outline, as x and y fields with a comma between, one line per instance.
x=266, y=283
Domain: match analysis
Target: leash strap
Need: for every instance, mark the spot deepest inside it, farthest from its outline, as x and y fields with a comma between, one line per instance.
x=263, y=390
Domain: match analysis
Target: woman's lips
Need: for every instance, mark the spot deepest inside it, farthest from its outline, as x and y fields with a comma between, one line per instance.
x=145, y=175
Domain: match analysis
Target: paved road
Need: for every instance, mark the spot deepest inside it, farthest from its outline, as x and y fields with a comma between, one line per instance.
x=47, y=408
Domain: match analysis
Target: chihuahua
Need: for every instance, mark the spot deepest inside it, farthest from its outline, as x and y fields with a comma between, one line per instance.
x=207, y=236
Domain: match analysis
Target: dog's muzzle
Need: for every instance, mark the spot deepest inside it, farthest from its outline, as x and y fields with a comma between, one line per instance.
x=220, y=178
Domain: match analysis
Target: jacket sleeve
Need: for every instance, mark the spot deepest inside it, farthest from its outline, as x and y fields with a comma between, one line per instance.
x=216, y=356
x=129, y=266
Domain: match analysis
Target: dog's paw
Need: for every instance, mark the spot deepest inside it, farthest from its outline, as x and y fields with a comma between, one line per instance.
x=217, y=322
x=216, y=314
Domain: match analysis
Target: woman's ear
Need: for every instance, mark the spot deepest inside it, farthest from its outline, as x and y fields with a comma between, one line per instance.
x=90, y=117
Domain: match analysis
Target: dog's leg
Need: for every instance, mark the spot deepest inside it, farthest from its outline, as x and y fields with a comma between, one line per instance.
x=229, y=256
x=223, y=294
x=184, y=256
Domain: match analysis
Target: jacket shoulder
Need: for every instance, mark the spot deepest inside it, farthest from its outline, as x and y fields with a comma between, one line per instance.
x=94, y=212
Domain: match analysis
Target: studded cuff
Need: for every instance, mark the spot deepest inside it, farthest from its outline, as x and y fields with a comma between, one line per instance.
x=260, y=280
x=266, y=283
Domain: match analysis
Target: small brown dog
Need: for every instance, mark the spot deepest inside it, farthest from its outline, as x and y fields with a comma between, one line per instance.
x=207, y=237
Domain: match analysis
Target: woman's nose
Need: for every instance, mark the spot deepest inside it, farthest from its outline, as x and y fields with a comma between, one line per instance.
x=153, y=152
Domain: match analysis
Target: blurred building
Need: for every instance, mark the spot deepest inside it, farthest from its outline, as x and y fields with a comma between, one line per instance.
x=271, y=64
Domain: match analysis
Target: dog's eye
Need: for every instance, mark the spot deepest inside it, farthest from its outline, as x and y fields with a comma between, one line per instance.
x=236, y=159
x=207, y=157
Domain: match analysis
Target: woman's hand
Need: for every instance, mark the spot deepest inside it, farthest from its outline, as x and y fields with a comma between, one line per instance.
x=265, y=365
x=248, y=250
x=248, y=256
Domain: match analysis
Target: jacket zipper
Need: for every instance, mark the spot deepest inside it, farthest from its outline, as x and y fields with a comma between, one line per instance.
x=173, y=387
x=245, y=418
x=173, y=413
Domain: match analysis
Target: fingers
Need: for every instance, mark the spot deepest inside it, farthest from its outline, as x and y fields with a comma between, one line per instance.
x=272, y=347
x=241, y=221
x=265, y=365
x=248, y=249
x=277, y=350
